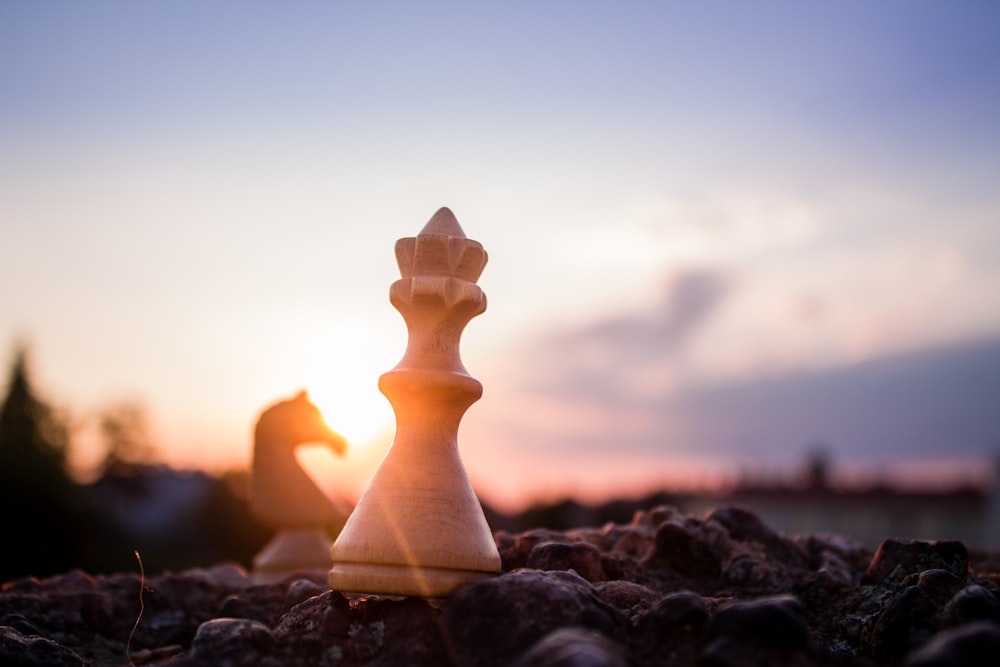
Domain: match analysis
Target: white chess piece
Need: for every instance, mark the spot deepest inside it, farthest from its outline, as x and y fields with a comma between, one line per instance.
x=419, y=528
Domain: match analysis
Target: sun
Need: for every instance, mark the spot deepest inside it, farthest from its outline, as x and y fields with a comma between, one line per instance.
x=351, y=403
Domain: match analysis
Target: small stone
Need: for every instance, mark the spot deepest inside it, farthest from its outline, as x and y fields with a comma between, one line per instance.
x=301, y=590
x=232, y=641
x=745, y=526
x=573, y=647
x=489, y=623
x=940, y=585
x=732, y=652
x=229, y=575
x=17, y=649
x=257, y=603
x=973, y=645
x=778, y=621
x=683, y=611
x=671, y=632
x=895, y=559
x=632, y=598
x=904, y=619
x=515, y=550
x=679, y=547
x=97, y=611
x=633, y=543
x=581, y=557
x=972, y=603
x=317, y=621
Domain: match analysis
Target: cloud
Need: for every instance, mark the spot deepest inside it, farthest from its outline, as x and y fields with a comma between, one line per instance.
x=632, y=354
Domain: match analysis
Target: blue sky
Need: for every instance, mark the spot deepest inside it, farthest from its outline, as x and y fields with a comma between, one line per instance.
x=198, y=203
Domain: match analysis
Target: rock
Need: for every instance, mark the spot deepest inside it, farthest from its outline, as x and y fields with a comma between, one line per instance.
x=329, y=629
x=778, y=621
x=264, y=603
x=746, y=526
x=678, y=591
x=732, y=652
x=895, y=559
x=315, y=625
x=516, y=555
x=973, y=645
x=230, y=576
x=17, y=650
x=671, y=632
x=490, y=622
x=903, y=623
x=632, y=598
x=581, y=557
x=681, y=548
x=573, y=647
x=233, y=641
x=386, y=633
x=972, y=603
x=911, y=615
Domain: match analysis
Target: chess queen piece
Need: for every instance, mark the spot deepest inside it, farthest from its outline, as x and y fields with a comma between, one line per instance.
x=419, y=528
x=284, y=497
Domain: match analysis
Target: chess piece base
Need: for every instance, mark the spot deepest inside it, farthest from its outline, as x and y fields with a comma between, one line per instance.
x=427, y=582
x=304, y=550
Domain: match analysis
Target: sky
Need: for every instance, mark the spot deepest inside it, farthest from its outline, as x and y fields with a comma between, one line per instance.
x=721, y=234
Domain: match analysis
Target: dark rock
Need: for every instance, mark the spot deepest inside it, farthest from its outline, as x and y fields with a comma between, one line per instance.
x=233, y=641
x=746, y=526
x=671, y=632
x=97, y=611
x=632, y=598
x=386, y=633
x=17, y=650
x=259, y=603
x=491, y=622
x=972, y=603
x=573, y=647
x=778, y=622
x=940, y=585
x=680, y=547
x=516, y=555
x=904, y=622
x=895, y=559
x=581, y=557
x=635, y=543
x=973, y=645
x=683, y=611
x=301, y=590
x=328, y=629
x=733, y=652
x=315, y=624
x=21, y=624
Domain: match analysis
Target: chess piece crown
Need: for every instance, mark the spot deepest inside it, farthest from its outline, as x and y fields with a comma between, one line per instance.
x=419, y=528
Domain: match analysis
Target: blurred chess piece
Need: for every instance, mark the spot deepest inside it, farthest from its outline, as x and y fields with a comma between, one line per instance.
x=284, y=497
x=419, y=528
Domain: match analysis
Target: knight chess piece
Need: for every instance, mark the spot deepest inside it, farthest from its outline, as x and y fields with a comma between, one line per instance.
x=419, y=528
x=284, y=497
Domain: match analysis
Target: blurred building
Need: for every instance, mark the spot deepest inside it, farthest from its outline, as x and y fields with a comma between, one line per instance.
x=969, y=511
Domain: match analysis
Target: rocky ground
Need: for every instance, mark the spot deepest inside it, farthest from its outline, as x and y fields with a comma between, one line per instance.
x=665, y=589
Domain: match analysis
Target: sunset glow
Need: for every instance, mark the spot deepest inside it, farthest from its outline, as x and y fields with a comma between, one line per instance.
x=716, y=235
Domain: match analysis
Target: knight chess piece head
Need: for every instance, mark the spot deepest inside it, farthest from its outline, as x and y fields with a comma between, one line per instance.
x=419, y=528
x=283, y=496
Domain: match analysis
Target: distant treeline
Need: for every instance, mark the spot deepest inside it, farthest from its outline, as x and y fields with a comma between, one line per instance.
x=53, y=524
x=174, y=519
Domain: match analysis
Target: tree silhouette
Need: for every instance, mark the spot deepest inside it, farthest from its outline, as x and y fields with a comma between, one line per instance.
x=126, y=438
x=42, y=511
